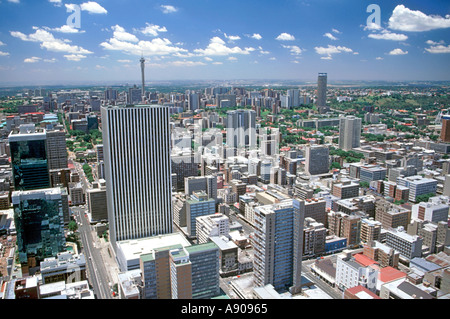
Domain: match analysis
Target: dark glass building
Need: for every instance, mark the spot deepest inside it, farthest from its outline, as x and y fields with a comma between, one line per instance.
x=29, y=158
x=39, y=221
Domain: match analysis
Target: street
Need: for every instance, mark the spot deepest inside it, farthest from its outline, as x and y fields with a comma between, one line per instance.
x=97, y=273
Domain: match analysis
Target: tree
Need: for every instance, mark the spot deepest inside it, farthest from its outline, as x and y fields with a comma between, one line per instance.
x=424, y=197
x=335, y=165
x=364, y=184
x=73, y=226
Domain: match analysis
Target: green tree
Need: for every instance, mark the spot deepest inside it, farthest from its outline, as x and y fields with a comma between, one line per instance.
x=73, y=226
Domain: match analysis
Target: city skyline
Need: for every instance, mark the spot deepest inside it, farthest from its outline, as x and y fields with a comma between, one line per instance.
x=56, y=41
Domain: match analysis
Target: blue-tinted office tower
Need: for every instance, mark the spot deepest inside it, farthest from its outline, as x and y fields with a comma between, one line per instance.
x=38, y=217
x=29, y=158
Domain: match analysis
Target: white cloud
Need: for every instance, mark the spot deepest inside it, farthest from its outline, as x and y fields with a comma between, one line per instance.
x=372, y=27
x=57, y=3
x=262, y=51
x=330, y=36
x=256, y=36
x=336, y=31
x=186, y=63
x=285, y=37
x=124, y=61
x=49, y=42
x=14, y=1
x=153, y=30
x=168, y=9
x=379, y=58
x=33, y=59
x=156, y=46
x=217, y=63
x=74, y=57
x=1, y=43
x=404, y=19
x=398, y=52
x=387, y=35
x=4, y=53
x=295, y=50
x=331, y=49
x=65, y=29
x=121, y=35
x=437, y=47
x=217, y=47
x=232, y=58
x=232, y=38
x=52, y=60
x=93, y=7
x=326, y=58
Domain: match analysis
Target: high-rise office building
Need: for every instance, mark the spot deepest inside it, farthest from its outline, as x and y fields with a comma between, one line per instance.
x=349, y=132
x=194, y=272
x=134, y=95
x=322, y=93
x=136, y=142
x=317, y=159
x=96, y=201
x=445, y=132
x=241, y=129
x=38, y=216
x=278, y=244
x=196, y=206
x=111, y=95
x=29, y=158
x=56, y=149
x=294, y=97
x=194, y=101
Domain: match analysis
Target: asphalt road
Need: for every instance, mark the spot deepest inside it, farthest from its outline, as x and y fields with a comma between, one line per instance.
x=97, y=273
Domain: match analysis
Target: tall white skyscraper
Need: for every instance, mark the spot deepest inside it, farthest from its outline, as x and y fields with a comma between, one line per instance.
x=136, y=142
x=349, y=132
x=241, y=128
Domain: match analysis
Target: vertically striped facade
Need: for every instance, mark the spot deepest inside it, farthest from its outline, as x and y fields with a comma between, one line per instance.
x=136, y=141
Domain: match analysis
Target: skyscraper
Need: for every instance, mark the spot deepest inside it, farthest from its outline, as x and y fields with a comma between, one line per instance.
x=136, y=141
x=278, y=243
x=322, y=93
x=29, y=158
x=349, y=132
x=38, y=216
x=317, y=159
x=142, y=60
x=445, y=133
x=56, y=149
x=241, y=128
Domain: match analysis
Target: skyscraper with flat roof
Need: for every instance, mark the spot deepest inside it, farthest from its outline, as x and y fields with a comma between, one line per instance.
x=38, y=216
x=278, y=244
x=317, y=159
x=136, y=142
x=241, y=129
x=445, y=132
x=349, y=132
x=29, y=158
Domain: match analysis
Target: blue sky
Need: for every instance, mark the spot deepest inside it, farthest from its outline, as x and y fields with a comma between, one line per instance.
x=223, y=40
